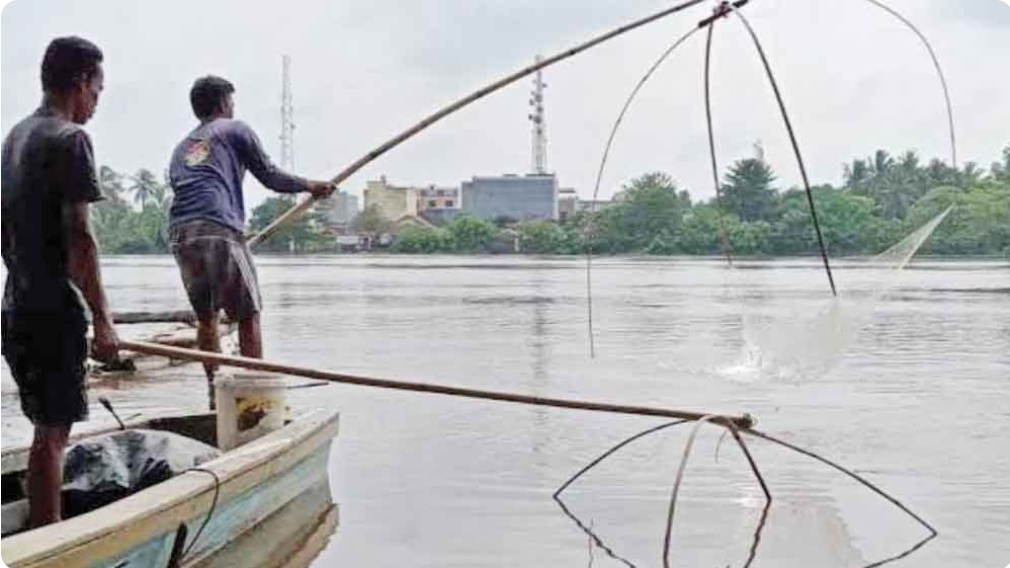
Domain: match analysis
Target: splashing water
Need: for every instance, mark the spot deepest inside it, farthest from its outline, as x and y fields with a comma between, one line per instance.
x=805, y=346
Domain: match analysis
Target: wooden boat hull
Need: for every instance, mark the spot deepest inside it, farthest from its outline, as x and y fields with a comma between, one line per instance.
x=272, y=500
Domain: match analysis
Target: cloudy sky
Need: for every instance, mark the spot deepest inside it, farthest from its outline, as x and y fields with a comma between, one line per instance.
x=854, y=79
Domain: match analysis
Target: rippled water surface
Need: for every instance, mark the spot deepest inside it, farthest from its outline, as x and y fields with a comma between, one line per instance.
x=911, y=389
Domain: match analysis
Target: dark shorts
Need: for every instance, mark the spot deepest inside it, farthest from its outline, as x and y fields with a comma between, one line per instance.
x=47, y=355
x=217, y=269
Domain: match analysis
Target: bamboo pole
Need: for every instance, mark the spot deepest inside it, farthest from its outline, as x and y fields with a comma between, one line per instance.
x=743, y=422
x=459, y=104
x=177, y=316
x=172, y=316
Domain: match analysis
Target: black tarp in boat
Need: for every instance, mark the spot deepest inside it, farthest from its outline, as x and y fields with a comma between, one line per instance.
x=106, y=468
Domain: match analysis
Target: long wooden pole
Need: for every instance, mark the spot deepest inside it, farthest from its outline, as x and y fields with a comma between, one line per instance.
x=446, y=111
x=177, y=316
x=744, y=422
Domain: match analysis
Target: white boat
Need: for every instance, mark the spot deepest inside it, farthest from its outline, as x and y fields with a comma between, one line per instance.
x=264, y=504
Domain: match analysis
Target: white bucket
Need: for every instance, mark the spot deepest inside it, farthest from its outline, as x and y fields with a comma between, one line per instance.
x=249, y=405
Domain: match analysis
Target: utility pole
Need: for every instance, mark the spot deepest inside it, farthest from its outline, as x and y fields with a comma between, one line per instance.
x=287, y=118
x=287, y=126
x=539, y=133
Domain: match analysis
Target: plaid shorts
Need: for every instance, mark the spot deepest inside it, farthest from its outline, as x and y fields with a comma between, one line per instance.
x=217, y=269
x=47, y=355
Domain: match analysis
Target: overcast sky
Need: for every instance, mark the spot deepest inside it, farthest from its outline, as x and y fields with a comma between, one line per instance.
x=853, y=77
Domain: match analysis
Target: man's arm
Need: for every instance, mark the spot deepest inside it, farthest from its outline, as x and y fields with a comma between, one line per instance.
x=84, y=271
x=79, y=189
x=271, y=176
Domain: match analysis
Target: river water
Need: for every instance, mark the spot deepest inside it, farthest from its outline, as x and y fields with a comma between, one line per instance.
x=906, y=380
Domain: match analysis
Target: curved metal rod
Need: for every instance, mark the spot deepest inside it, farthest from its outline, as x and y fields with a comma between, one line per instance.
x=627, y=104
x=596, y=539
x=590, y=227
x=764, y=488
x=588, y=530
x=609, y=452
x=750, y=459
x=592, y=535
x=897, y=557
x=939, y=72
x=847, y=472
x=735, y=432
x=680, y=476
x=752, y=554
x=723, y=237
x=676, y=486
x=795, y=144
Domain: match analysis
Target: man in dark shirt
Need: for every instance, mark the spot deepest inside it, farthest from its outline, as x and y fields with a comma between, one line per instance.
x=52, y=260
x=207, y=218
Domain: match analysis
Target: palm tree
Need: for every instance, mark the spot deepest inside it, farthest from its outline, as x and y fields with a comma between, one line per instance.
x=908, y=163
x=971, y=174
x=160, y=197
x=893, y=197
x=144, y=187
x=880, y=164
x=1001, y=171
x=938, y=173
x=910, y=177
x=865, y=177
x=856, y=175
x=898, y=183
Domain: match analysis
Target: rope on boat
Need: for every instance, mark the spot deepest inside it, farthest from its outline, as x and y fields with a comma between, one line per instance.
x=210, y=511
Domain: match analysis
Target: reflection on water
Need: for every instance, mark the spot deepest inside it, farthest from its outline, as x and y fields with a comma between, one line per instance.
x=915, y=402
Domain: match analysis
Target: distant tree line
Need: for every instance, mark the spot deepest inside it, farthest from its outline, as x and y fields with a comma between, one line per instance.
x=882, y=198
x=133, y=218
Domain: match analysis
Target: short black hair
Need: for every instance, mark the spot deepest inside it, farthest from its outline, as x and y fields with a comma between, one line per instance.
x=208, y=93
x=69, y=61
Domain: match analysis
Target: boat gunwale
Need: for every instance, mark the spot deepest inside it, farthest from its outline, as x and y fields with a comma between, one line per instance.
x=158, y=509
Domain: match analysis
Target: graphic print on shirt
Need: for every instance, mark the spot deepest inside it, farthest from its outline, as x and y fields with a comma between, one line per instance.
x=197, y=153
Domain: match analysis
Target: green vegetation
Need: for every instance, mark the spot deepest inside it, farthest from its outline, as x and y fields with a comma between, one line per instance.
x=301, y=235
x=133, y=218
x=882, y=198
x=463, y=235
x=132, y=226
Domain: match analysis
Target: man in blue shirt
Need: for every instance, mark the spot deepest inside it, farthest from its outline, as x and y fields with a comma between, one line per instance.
x=207, y=218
